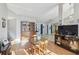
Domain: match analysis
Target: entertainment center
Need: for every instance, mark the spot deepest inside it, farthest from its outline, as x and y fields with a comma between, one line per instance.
x=67, y=37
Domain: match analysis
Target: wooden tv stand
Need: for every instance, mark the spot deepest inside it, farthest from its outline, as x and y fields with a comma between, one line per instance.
x=68, y=42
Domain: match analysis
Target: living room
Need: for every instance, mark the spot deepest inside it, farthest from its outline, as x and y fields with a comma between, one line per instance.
x=39, y=28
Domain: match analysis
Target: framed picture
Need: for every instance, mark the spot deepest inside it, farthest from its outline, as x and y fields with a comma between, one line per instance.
x=3, y=23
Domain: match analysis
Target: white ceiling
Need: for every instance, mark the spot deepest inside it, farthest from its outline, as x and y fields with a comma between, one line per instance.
x=43, y=10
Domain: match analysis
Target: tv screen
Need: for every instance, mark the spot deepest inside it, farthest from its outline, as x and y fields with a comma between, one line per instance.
x=68, y=30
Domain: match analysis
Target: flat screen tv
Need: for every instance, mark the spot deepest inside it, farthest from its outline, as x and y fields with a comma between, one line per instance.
x=68, y=30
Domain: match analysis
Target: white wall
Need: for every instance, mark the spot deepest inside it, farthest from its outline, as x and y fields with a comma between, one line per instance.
x=12, y=28
x=76, y=14
x=3, y=13
x=3, y=9
x=3, y=31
